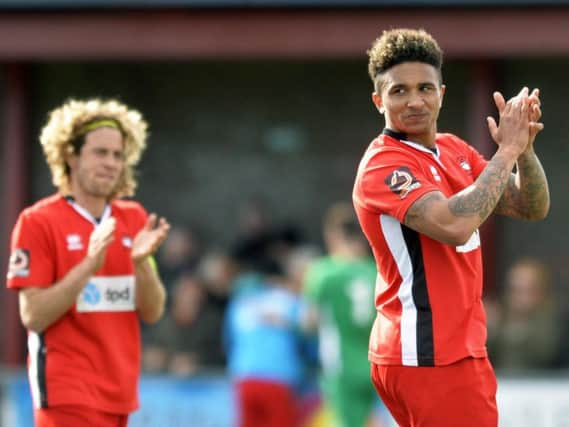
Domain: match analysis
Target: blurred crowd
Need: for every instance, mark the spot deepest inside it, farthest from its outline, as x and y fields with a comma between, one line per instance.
x=527, y=320
x=239, y=309
x=202, y=281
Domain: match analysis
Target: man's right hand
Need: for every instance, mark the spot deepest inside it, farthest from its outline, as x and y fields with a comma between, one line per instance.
x=99, y=241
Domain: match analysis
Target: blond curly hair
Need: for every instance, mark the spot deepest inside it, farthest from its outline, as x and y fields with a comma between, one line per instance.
x=67, y=124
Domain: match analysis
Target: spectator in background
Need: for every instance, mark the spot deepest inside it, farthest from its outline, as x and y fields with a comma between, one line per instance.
x=180, y=253
x=528, y=331
x=261, y=241
x=217, y=271
x=81, y=261
x=254, y=218
x=187, y=340
x=265, y=250
x=339, y=288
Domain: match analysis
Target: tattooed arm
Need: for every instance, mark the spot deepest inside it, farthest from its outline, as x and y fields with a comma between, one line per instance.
x=453, y=220
x=527, y=194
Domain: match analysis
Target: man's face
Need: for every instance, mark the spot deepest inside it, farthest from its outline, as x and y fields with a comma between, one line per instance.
x=410, y=97
x=96, y=170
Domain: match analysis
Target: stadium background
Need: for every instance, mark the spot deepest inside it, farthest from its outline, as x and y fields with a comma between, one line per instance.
x=269, y=98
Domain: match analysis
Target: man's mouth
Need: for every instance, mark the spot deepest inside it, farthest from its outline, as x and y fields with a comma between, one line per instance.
x=415, y=116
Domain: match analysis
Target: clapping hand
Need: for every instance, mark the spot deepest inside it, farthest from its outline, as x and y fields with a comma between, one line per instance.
x=149, y=238
x=512, y=133
x=99, y=241
x=535, y=126
x=533, y=111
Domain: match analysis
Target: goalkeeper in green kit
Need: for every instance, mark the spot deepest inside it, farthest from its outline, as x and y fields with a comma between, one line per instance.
x=339, y=289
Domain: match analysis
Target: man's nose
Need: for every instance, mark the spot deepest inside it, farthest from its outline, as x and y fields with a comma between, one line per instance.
x=111, y=161
x=415, y=100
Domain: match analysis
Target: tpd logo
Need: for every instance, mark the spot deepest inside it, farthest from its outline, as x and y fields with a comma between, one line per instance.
x=116, y=295
x=107, y=294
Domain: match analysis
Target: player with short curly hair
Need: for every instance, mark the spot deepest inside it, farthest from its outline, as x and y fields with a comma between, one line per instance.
x=420, y=197
x=403, y=45
x=81, y=262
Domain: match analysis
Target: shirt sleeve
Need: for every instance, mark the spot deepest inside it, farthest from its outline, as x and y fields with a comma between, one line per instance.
x=391, y=182
x=31, y=254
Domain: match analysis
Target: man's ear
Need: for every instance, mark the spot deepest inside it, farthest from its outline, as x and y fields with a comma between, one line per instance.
x=70, y=160
x=378, y=102
x=443, y=89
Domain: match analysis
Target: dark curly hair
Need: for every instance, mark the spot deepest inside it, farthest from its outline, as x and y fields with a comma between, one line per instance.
x=402, y=45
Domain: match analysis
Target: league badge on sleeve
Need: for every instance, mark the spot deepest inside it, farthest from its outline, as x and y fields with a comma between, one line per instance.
x=19, y=265
x=401, y=181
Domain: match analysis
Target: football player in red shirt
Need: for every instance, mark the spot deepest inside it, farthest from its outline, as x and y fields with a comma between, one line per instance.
x=81, y=262
x=420, y=197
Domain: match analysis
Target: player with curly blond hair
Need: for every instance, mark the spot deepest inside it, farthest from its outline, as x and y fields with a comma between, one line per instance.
x=81, y=263
x=420, y=197
x=67, y=126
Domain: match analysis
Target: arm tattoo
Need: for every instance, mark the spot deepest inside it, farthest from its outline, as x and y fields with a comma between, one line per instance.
x=417, y=211
x=481, y=197
x=527, y=193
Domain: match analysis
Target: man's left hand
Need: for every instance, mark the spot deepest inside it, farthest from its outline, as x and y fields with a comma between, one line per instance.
x=149, y=238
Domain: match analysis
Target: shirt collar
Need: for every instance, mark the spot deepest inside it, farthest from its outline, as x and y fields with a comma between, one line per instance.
x=402, y=137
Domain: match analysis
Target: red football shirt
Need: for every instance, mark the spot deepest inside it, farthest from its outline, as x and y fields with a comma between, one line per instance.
x=91, y=355
x=428, y=294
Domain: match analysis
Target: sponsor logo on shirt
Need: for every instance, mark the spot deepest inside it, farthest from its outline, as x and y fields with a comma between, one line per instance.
x=401, y=181
x=74, y=242
x=19, y=264
x=107, y=293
